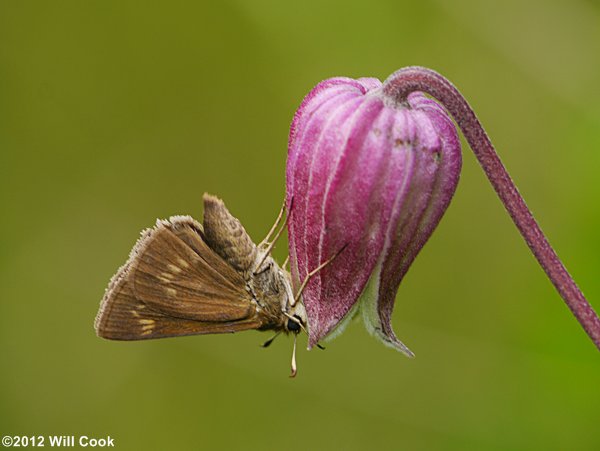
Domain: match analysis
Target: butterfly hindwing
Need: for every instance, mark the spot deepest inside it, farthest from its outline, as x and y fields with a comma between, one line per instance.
x=227, y=236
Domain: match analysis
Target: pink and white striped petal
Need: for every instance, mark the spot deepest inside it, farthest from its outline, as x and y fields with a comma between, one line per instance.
x=373, y=178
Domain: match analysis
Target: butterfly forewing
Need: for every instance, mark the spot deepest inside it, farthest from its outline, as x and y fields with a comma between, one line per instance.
x=124, y=317
x=174, y=284
x=193, y=234
x=171, y=278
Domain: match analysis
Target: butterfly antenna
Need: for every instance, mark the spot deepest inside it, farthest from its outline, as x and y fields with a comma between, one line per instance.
x=315, y=271
x=294, y=367
x=267, y=343
x=285, y=262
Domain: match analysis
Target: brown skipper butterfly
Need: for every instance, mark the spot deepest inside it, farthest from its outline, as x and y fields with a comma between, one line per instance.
x=186, y=278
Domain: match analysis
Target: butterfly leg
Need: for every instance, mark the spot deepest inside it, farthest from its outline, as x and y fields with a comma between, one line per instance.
x=267, y=239
x=268, y=246
x=285, y=263
x=267, y=343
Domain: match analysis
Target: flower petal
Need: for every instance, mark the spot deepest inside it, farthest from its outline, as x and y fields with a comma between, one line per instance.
x=372, y=178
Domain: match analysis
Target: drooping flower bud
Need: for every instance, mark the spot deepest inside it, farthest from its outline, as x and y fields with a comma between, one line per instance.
x=372, y=176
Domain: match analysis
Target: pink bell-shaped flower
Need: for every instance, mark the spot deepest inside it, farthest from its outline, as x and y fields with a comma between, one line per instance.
x=371, y=169
x=371, y=176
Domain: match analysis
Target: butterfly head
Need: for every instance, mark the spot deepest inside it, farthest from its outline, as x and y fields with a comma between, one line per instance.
x=296, y=319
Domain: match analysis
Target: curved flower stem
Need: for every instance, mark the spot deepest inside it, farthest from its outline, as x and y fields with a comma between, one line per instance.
x=399, y=85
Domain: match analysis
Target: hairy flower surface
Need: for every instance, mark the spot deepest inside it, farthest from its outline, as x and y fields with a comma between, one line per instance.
x=368, y=179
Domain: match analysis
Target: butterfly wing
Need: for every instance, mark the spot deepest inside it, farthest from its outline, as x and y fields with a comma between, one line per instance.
x=227, y=236
x=124, y=317
x=174, y=284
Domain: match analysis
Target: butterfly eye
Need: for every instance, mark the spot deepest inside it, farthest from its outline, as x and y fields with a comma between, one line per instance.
x=293, y=326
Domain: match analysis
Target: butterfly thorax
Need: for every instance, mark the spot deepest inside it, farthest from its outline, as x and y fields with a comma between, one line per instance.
x=271, y=290
x=268, y=284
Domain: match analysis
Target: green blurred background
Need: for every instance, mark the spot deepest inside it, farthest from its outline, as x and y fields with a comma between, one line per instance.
x=115, y=113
